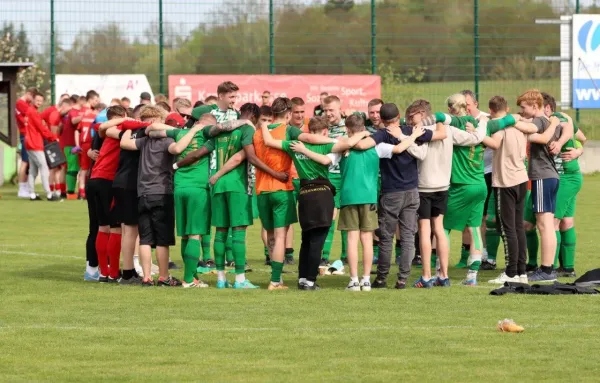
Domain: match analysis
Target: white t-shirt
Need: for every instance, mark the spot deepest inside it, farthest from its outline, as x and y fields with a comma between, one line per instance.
x=488, y=153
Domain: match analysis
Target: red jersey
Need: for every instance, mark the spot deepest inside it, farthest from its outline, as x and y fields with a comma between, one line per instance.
x=51, y=116
x=67, y=137
x=108, y=159
x=85, y=127
x=36, y=131
x=21, y=109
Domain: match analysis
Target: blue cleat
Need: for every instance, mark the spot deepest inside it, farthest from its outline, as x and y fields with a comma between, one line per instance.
x=423, y=284
x=244, y=285
x=223, y=285
x=91, y=277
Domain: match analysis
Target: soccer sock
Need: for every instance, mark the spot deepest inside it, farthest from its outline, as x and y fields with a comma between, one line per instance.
x=569, y=240
x=63, y=188
x=190, y=259
x=206, y=239
x=533, y=245
x=433, y=262
x=492, y=239
x=366, y=278
x=266, y=252
x=557, y=252
x=289, y=253
x=276, y=270
x=329, y=241
x=473, y=262
x=398, y=249
x=219, y=249
x=344, y=244
x=82, y=193
x=71, y=182
x=101, y=244
x=220, y=275
x=52, y=188
x=464, y=253
x=229, y=247
x=184, y=243
x=239, y=250
x=113, y=248
x=375, y=249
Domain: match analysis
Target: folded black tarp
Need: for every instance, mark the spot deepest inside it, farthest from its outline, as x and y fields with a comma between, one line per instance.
x=554, y=289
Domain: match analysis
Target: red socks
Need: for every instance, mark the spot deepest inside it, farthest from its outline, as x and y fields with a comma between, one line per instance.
x=114, y=253
x=101, y=249
x=63, y=188
x=82, y=193
x=52, y=188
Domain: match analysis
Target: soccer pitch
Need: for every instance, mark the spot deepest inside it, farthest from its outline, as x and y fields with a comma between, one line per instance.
x=55, y=327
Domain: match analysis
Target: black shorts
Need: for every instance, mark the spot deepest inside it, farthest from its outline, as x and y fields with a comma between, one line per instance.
x=432, y=204
x=100, y=191
x=315, y=204
x=488, y=183
x=156, y=221
x=126, y=206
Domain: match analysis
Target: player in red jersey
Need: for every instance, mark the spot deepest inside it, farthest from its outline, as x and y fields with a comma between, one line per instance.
x=21, y=108
x=53, y=117
x=83, y=143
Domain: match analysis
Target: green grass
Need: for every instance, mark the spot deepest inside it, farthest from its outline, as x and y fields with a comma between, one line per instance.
x=55, y=327
x=437, y=93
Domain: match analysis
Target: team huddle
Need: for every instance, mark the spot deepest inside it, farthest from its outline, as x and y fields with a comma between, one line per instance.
x=151, y=172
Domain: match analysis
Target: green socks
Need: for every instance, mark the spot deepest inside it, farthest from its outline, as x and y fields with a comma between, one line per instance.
x=71, y=181
x=398, y=249
x=569, y=240
x=266, y=250
x=184, y=243
x=557, y=253
x=375, y=249
x=206, y=239
x=329, y=241
x=276, y=270
x=190, y=259
x=219, y=249
x=492, y=239
x=433, y=262
x=229, y=247
x=239, y=250
x=464, y=256
x=289, y=253
x=533, y=245
x=344, y=244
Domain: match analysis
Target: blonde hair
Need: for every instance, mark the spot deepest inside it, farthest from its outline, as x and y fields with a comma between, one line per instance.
x=151, y=112
x=181, y=103
x=457, y=104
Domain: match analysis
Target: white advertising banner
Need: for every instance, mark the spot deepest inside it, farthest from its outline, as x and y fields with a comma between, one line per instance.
x=108, y=86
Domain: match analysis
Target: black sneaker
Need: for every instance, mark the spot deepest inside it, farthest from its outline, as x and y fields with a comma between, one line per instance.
x=173, y=266
x=148, y=283
x=379, y=284
x=55, y=198
x=487, y=265
x=417, y=261
x=267, y=262
x=561, y=272
x=289, y=261
x=247, y=268
x=103, y=279
x=210, y=264
x=37, y=198
x=115, y=280
x=306, y=287
x=63, y=195
x=400, y=284
x=530, y=268
x=324, y=264
x=344, y=261
x=135, y=280
x=170, y=282
x=229, y=264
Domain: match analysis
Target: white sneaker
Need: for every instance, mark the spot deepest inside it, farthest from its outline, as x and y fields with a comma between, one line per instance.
x=505, y=278
x=23, y=193
x=137, y=266
x=523, y=278
x=365, y=286
x=353, y=286
x=194, y=284
x=154, y=269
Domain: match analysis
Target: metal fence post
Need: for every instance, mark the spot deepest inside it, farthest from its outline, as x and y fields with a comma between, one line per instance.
x=373, y=38
x=161, y=64
x=271, y=39
x=577, y=116
x=476, y=44
x=52, y=55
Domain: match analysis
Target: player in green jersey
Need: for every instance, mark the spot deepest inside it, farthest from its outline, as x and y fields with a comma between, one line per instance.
x=312, y=163
x=571, y=181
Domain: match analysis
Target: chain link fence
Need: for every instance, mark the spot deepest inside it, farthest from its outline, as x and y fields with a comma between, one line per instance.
x=420, y=48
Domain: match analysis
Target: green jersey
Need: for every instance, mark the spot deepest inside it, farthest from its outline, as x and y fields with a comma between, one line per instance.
x=221, y=116
x=226, y=145
x=570, y=167
x=336, y=131
x=467, y=161
x=195, y=175
x=308, y=169
x=360, y=170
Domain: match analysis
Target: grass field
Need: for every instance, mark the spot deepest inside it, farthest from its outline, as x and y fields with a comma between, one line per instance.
x=437, y=93
x=55, y=327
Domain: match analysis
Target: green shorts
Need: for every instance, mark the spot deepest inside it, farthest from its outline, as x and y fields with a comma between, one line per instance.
x=231, y=209
x=528, y=214
x=192, y=211
x=296, y=183
x=358, y=217
x=72, y=160
x=465, y=206
x=254, y=204
x=277, y=209
x=336, y=180
x=569, y=186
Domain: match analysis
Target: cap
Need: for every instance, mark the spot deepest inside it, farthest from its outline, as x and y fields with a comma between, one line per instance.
x=175, y=120
x=145, y=96
x=388, y=112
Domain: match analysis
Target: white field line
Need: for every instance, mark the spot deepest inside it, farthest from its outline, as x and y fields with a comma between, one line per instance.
x=40, y=254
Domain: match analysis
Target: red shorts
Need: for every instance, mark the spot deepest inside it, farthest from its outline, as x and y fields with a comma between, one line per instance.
x=84, y=160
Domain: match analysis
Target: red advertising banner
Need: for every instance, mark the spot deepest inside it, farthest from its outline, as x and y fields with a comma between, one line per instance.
x=355, y=91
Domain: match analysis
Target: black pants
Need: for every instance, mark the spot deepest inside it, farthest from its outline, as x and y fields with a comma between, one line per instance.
x=90, y=245
x=510, y=203
x=310, y=252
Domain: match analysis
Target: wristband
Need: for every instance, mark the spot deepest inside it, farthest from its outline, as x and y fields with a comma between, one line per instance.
x=175, y=167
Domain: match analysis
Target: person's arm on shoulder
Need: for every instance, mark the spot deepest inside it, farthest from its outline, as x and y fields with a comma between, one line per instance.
x=113, y=133
x=231, y=164
x=494, y=141
x=254, y=160
x=579, y=136
x=544, y=138
x=269, y=140
x=179, y=146
x=440, y=132
x=572, y=153
x=349, y=142
x=464, y=138
x=77, y=119
x=322, y=159
x=127, y=143
x=192, y=157
x=228, y=126
x=109, y=124
x=565, y=135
